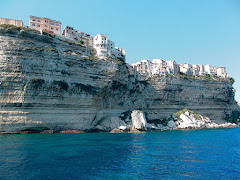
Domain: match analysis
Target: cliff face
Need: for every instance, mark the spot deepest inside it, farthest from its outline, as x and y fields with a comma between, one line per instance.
x=46, y=83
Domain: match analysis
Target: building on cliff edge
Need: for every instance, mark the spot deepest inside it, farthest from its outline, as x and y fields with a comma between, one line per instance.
x=12, y=22
x=82, y=37
x=106, y=48
x=146, y=68
x=45, y=24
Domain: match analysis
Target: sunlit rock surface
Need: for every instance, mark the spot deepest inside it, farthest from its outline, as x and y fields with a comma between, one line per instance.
x=138, y=120
x=45, y=82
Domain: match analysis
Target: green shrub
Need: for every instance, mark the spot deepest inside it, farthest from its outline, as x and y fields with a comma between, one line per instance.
x=208, y=76
x=195, y=115
x=90, y=58
x=177, y=114
x=81, y=42
x=86, y=88
x=50, y=50
x=116, y=85
x=70, y=63
x=233, y=118
x=12, y=27
x=36, y=83
x=61, y=84
x=232, y=80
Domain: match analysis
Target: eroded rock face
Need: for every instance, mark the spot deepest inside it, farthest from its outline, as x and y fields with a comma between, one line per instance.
x=187, y=119
x=45, y=82
x=138, y=120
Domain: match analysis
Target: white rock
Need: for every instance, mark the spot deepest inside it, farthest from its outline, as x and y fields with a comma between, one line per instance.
x=122, y=127
x=138, y=120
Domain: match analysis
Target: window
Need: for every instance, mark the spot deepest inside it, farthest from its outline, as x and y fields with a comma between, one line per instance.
x=39, y=21
x=56, y=29
x=52, y=28
x=33, y=20
x=105, y=38
x=33, y=24
x=38, y=25
x=101, y=45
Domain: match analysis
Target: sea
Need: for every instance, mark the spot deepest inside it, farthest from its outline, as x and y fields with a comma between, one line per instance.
x=176, y=154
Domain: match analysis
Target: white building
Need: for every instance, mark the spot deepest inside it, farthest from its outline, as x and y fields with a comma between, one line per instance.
x=195, y=69
x=186, y=68
x=71, y=33
x=106, y=48
x=221, y=72
x=158, y=66
x=119, y=53
x=143, y=67
x=208, y=69
x=201, y=70
x=172, y=67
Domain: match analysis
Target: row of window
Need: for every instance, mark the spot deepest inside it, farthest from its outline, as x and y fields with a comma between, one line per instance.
x=46, y=22
x=45, y=25
x=53, y=28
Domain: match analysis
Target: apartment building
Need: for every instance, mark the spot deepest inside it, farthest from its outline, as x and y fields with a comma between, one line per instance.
x=143, y=67
x=172, y=67
x=221, y=72
x=158, y=66
x=119, y=53
x=12, y=22
x=45, y=24
x=106, y=48
x=208, y=69
x=71, y=33
x=201, y=69
x=195, y=69
x=186, y=68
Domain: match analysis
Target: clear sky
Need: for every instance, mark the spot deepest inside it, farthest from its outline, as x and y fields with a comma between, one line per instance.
x=191, y=31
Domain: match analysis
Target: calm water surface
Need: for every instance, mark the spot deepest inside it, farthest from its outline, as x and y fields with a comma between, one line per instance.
x=192, y=154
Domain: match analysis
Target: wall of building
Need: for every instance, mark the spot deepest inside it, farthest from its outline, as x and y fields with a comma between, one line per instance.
x=12, y=22
x=71, y=33
x=46, y=24
x=162, y=67
x=106, y=48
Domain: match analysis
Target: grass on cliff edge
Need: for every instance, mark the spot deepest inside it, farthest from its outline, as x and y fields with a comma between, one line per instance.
x=12, y=27
x=196, y=116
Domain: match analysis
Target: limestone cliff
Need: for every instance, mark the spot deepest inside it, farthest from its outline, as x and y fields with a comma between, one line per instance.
x=46, y=83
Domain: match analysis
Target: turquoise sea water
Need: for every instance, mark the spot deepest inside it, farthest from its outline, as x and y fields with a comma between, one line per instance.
x=191, y=154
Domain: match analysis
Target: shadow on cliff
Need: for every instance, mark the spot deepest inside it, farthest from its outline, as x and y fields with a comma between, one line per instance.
x=161, y=96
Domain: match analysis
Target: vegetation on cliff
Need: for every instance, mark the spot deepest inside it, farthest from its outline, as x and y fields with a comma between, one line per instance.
x=12, y=29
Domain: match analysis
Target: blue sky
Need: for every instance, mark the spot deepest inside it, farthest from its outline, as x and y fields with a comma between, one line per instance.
x=192, y=31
